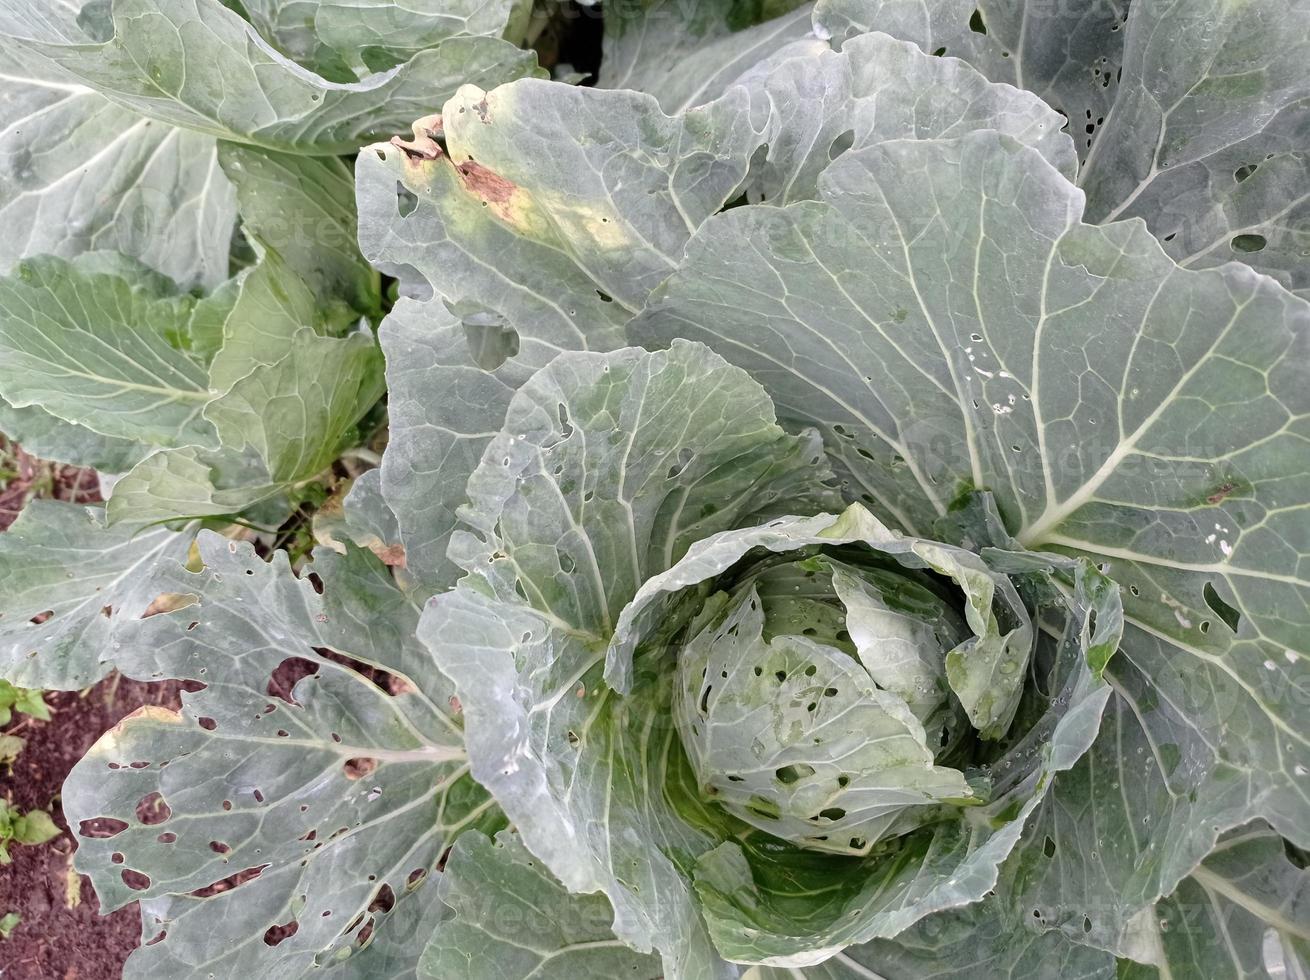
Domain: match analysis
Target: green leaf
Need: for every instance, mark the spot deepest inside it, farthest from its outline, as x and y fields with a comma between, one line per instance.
x=371, y=35
x=686, y=54
x=8, y=923
x=10, y=745
x=33, y=827
x=199, y=65
x=1148, y=418
x=810, y=104
x=29, y=702
x=82, y=174
x=607, y=469
x=303, y=208
x=1186, y=115
x=294, y=412
x=58, y=558
x=500, y=229
x=177, y=484
x=103, y=346
x=1206, y=140
x=285, y=397
x=1241, y=913
x=347, y=784
x=1068, y=54
x=961, y=944
x=750, y=893
x=47, y=437
x=513, y=921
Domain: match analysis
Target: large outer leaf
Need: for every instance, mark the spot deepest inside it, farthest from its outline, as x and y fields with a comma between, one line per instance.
x=59, y=559
x=103, y=348
x=949, y=322
x=79, y=174
x=363, y=35
x=688, y=53
x=511, y=220
x=303, y=208
x=966, y=944
x=502, y=240
x=199, y=65
x=47, y=437
x=1067, y=53
x=336, y=791
x=607, y=469
x=513, y=921
x=1208, y=140
x=810, y=104
x=1244, y=912
x=1191, y=115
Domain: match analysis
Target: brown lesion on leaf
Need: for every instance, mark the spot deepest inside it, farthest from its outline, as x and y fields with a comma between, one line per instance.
x=390, y=554
x=501, y=196
x=1221, y=493
x=167, y=602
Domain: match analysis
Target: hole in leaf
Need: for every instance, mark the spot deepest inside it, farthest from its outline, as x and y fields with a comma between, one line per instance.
x=1249, y=243
x=1048, y=848
x=286, y=675
x=765, y=808
x=278, y=934
x=100, y=828
x=1241, y=173
x=218, y=847
x=208, y=724
x=831, y=813
x=135, y=880
x=167, y=837
x=406, y=200
x=790, y=774
x=491, y=341
x=1222, y=609
x=358, y=768
x=151, y=809
x=384, y=900
x=841, y=144
x=976, y=23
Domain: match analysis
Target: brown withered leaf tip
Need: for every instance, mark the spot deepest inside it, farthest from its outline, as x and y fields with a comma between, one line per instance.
x=426, y=144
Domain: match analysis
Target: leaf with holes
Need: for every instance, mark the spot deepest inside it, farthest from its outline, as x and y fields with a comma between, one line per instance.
x=1189, y=115
x=1119, y=408
x=582, y=240
x=314, y=776
x=642, y=666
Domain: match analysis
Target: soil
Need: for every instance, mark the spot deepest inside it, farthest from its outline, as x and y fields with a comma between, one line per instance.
x=62, y=935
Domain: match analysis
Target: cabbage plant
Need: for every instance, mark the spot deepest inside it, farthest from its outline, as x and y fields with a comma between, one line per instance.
x=844, y=513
